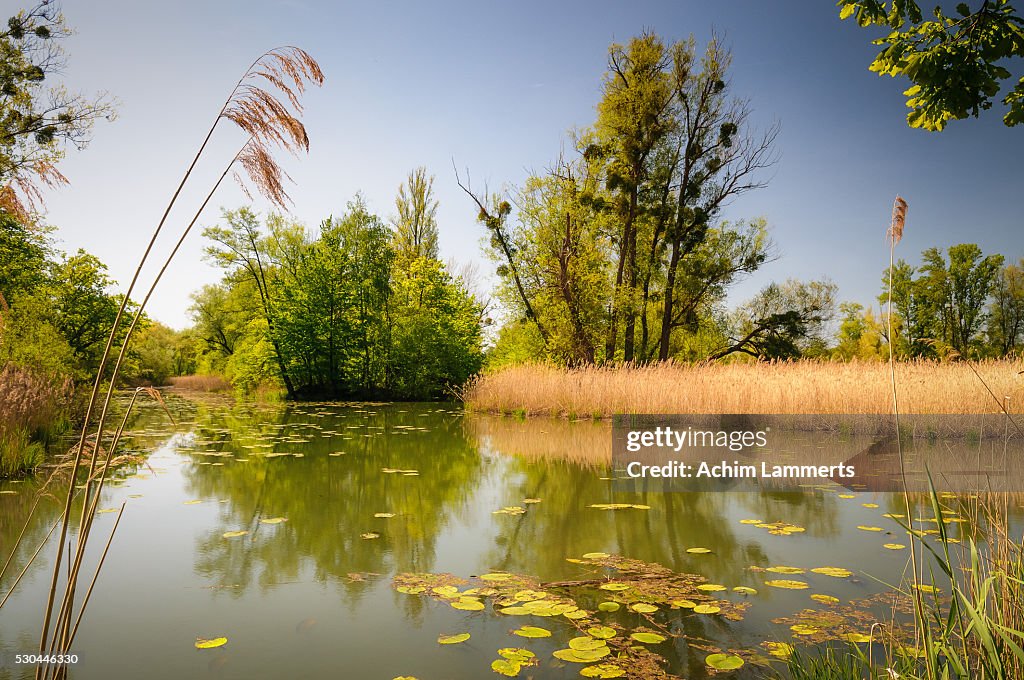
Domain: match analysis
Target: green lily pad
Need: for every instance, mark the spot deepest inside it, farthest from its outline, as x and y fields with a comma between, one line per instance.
x=723, y=662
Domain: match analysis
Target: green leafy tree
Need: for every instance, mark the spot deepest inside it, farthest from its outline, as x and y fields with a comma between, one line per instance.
x=957, y=63
x=416, y=223
x=1006, y=311
x=860, y=334
x=37, y=118
x=784, y=321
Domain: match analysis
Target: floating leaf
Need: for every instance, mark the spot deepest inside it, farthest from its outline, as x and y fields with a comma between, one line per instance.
x=506, y=667
x=516, y=654
x=530, y=501
x=529, y=595
x=578, y=614
x=867, y=528
x=577, y=656
x=643, y=608
x=532, y=632
x=837, y=572
x=803, y=629
x=640, y=507
x=369, y=534
x=785, y=570
x=707, y=609
x=235, y=534
x=744, y=590
x=698, y=551
x=383, y=515
x=870, y=505
x=452, y=639
x=609, y=606
x=495, y=577
x=445, y=591
x=825, y=599
x=273, y=520
x=595, y=556
x=711, y=587
x=601, y=632
x=515, y=611
x=202, y=643
x=411, y=590
x=894, y=546
x=685, y=604
x=468, y=605
x=723, y=662
x=787, y=584
x=847, y=495
x=603, y=670
x=857, y=637
x=751, y=521
x=586, y=644
x=781, y=650
x=648, y=638
x=614, y=586
x=192, y=502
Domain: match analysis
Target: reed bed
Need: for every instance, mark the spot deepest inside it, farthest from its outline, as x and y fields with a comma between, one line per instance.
x=777, y=387
x=33, y=408
x=200, y=383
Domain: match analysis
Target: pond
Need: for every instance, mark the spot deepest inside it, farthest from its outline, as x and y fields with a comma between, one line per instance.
x=338, y=499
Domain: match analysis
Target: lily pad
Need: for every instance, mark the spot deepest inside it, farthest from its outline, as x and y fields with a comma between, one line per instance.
x=643, y=608
x=235, y=534
x=273, y=520
x=586, y=644
x=698, y=551
x=601, y=632
x=211, y=643
x=452, y=639
x=532, y=632
x=577, y=656
x=723, y=662
x=506, y=667
x=787, y=584
x=603, y=670
x=837, y=572
x=648, y=638
x=609, y=606
x=707, y=609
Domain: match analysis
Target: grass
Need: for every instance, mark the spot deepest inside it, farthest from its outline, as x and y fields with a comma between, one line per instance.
x=784, y=387
x=33, y=413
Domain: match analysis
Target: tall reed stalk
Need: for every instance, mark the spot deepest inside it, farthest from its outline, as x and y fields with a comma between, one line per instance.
x=265, y=104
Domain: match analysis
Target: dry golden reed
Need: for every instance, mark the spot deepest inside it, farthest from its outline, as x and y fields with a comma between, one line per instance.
x=201, y=383
x=780, y=387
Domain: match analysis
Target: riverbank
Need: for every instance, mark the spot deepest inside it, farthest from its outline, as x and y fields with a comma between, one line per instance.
x=787, y=387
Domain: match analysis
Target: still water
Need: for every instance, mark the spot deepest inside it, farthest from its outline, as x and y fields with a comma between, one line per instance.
x=311, y=595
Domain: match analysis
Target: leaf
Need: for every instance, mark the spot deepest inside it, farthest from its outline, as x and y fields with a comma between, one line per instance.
x=723, y=662
x=235, y=534
x=532, y=632
x=894, y=546
x=803, y=629
x=609, y=606
x=506, y=667
x=273, y=520
x=530, y=501
x=384, y=515
x=707, y=609
x=614, y=586
x=698, y=551
x=781, y=650
x=867, y=528
x=744, y=590
x=586, y=644
x=643, y=608
x=595, y=556
x=452, y=639
x=468, y=605
x=751, y=521
x=837, y=572
x=577, y=656
x=825, y=599
x=785, y=570
x=202, y=643
x=601, y=632
x=603, y=670
x=711, y=587
x=192, y=502
x=857, y=637
x=369, y=534
x=648, y=638
x=516, y=654
x=787, y=584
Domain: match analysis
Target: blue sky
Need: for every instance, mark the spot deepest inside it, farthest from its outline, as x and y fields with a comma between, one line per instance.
x=494, y=87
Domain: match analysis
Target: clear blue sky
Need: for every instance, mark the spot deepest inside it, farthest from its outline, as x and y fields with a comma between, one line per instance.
x=495, y=86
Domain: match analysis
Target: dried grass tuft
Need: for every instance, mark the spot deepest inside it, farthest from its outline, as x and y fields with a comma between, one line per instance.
x=899, y=220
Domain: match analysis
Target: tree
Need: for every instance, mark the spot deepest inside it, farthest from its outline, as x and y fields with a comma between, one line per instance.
x=782, y=321
x=860, y=334
x=633, y=116
x=719, y=159
x=241, y=249
x=416, y=224
x=1006, y=311
x=24, y=254
x=37, y=119
x=956, y=63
